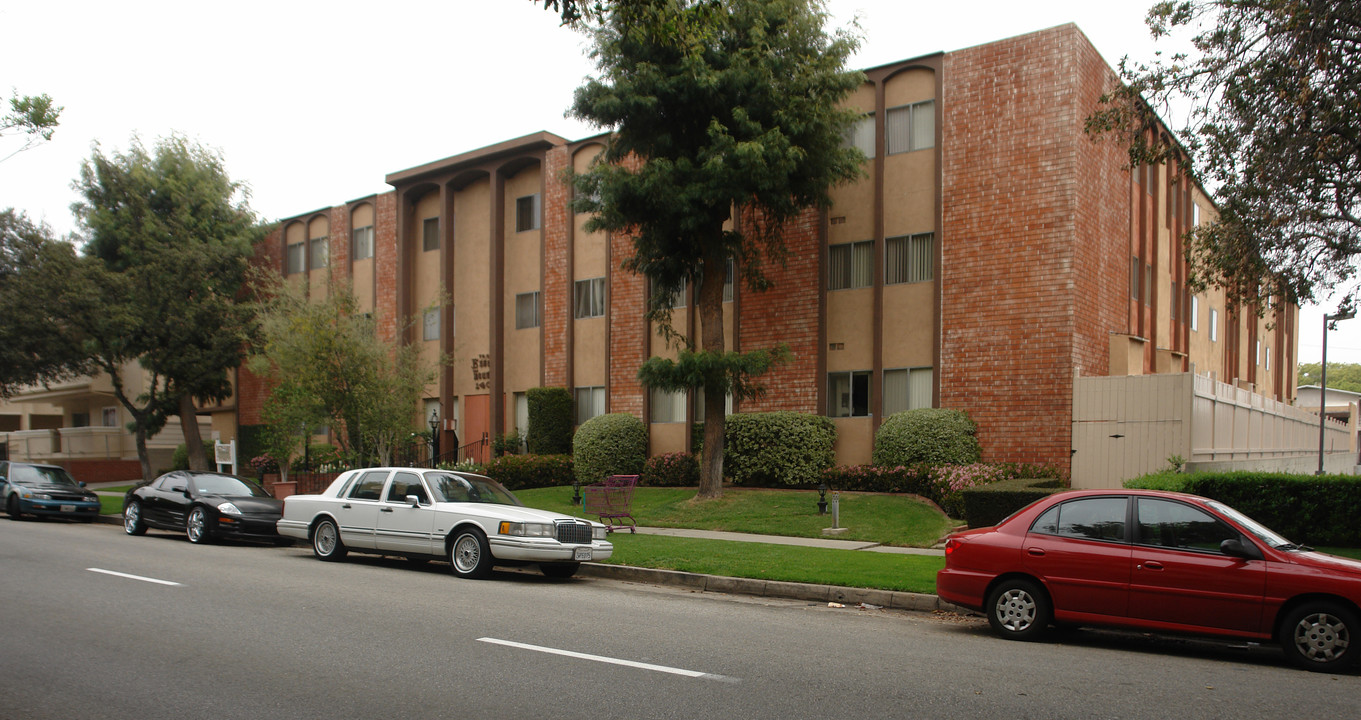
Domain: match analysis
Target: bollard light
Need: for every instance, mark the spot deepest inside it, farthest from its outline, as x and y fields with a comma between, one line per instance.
x=822, y=499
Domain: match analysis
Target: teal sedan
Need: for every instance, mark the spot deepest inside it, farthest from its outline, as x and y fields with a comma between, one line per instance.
x=45, y=491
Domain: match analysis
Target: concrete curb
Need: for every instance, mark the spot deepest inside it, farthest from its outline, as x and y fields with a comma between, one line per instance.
x=892, y=599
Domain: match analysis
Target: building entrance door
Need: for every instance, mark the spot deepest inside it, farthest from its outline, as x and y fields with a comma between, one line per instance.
x=477, y=421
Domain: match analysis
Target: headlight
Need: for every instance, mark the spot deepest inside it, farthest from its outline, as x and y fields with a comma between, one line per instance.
x=227, y=508
x=28, y=493
x=599, y=533
x=528, y=529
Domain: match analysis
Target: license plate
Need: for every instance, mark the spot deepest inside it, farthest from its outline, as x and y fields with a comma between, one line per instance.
x=582, y=554
x=68, y=508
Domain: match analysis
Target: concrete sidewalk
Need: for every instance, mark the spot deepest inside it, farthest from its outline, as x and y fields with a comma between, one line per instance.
x=786, y=540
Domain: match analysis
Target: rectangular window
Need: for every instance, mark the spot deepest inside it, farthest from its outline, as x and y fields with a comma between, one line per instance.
x=521, y=402
x=590, y=402
x=850, y=265
x=1195, y=314
x=910, y=127
x=1268, y=358
x=430, y=234
x=527, y=213
x=848, y=394
x=319, y=252
x=862, y=135
x=527, y=310
x=589, y=298
x=1257, y=350
x=907, y=389
x=699, y=405
x=430, y=325
x=1214, y=325
x=1136, y=270
x=362, y=243
x=667, y=407
x=293, y=261
x=729, y=271
x=1148, y=284
x=110, y=417
x=909, y=259
x=1174, y=300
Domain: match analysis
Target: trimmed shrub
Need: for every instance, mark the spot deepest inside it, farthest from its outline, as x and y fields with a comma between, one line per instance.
x=778, y=449
x=950, y=482
x=518, y=472
x=179, y=460
x=872, y=478
x=550, y=421
x=670, y=470
x=987, y=505
x=934, y=436
x=613, y=444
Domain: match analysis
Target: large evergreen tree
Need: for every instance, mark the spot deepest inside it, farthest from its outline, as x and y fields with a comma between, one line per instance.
x=170, y=237
x=36, y=344
x=1270, y=96
x=720, y=110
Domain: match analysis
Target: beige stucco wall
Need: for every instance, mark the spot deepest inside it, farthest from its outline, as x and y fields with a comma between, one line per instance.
x=523, y=273
x=472, y=228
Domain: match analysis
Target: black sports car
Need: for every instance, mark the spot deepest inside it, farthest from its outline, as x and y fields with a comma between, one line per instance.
x=204, y=505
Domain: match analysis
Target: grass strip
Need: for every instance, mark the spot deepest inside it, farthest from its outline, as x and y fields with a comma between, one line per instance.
x=763, y=561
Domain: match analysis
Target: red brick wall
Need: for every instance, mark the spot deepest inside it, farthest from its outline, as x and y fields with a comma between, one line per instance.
x=556, y=296
x=98, y=471
x=385, y=265
x=628, y=331
x=1032, y=212
x=790, y=313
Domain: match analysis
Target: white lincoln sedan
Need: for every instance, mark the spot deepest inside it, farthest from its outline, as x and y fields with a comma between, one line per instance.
x=472, y=521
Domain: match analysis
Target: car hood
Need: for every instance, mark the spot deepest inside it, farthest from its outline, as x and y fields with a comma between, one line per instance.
x=1328, y=562
x=251, y=504
x=54, y=488
x=513, y=513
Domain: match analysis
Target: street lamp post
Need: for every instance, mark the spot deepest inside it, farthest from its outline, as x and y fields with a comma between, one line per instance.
x=434, y=437
x=1323, y=380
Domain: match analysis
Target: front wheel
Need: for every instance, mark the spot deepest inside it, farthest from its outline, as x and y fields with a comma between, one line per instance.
x=196, y=526
x=133, y=524
x=12, y=507
x=469, y=555
x=1318, y=636
x=326, y=543
x=1018, y=609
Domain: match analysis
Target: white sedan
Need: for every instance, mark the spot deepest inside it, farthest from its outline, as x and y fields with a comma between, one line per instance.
x=471, y=520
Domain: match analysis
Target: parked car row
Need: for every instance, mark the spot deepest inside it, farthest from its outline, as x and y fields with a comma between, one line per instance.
x=1156, y=561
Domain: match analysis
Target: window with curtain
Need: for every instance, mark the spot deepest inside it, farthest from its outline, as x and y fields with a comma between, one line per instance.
x=295, y=254
x=909, y=259
x=848, y=394
x=527, y=213
x=430, y=325
x=907, y=389
x=861, y=135
x=362, y=243
x=527, y=310
x=850, y=265
x=318, y=252
x=666, y=406
x=910, y=127
x=590, y=402
x=589, y=298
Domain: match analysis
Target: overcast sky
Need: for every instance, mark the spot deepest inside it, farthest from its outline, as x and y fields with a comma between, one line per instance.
x=313, y=104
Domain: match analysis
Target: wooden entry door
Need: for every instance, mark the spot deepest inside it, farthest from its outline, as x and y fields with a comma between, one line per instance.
x=476, y=422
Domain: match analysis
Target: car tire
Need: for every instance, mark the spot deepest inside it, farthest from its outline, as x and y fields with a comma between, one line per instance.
x=469, y=554
x=133, y=524
x=12, y=507
x=1321, y=636
x=326, y=542
x=1018, y=609
x=196, y=526
x=562, y=570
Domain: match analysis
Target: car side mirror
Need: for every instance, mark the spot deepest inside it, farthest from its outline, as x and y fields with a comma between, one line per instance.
x=413, y=501
x=81, y=483
x=1234, y=547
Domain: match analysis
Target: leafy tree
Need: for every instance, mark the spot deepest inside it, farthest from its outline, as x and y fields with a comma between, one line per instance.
x=325, y=363
x=1271, y=92
x=574, y=12
x=715, y=106
x=35, y=116
x=35, y=345
x=1341, y=376
x=170, y=237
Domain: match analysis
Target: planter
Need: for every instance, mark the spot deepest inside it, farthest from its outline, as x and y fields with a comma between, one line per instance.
x=281, y=490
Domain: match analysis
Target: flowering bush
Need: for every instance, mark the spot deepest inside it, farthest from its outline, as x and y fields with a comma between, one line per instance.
x=675, y=469
x=951, y=480
x=873, y=478
x=264, y=464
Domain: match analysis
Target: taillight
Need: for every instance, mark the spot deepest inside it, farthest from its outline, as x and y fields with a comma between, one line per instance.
x=950, y=545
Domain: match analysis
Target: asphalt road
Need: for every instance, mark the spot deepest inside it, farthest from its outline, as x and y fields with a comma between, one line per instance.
x=252, y=631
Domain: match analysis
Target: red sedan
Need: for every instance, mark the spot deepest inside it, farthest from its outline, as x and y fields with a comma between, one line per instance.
x=1156, y=561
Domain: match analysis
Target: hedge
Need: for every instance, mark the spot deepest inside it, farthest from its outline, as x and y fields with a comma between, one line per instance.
x=777, y=449
x=987, y=505
x=937, y=436
x=1316, y=510
x=605, y=445
x=550, y=421
x=518, y=472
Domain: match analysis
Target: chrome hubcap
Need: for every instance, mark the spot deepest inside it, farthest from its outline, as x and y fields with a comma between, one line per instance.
x=130, y=516
x=325, y=540
x=1015, y=610
x=1322, y=637
x=466, y=553
x=195, y=525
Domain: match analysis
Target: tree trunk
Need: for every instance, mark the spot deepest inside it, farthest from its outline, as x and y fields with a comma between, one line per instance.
x=198, y=459
x=711, y=335
x=142, y=455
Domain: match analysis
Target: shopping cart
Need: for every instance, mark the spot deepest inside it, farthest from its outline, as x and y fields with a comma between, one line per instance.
x=610, y=501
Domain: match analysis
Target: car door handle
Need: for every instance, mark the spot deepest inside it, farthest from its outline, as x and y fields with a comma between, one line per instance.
x=1150, y=565
x=347, y=506
x=1037, y=552
x=385, y=510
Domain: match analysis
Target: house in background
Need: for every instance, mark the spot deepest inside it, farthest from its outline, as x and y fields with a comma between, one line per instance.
x=992, y=256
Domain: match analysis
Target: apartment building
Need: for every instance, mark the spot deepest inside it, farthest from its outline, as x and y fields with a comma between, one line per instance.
x=991, y=253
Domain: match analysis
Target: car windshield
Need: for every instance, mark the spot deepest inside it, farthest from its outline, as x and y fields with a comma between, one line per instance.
x=460, y=488
x=227, y=485
x=1263, y=533
x=29, y=475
